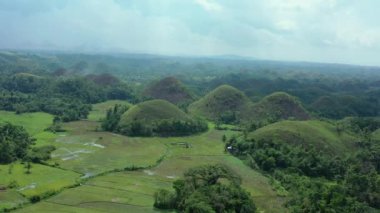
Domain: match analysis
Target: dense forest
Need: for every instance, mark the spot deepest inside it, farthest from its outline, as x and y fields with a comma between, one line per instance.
x=319, y=181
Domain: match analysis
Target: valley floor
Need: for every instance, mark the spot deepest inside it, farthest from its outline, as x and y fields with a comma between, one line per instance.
x=93, y=171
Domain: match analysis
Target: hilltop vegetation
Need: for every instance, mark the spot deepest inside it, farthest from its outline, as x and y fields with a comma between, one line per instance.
x=227, y=104
x=67, y=98
x=158, y=117
x=224, y=104
x=323, y=167
x=275, y=107
x=319, y=135
x=325, y=94
x=170, y=89
x=153, y=110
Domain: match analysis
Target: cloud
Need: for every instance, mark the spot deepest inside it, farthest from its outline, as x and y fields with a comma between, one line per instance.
x=209, y=5
x=315, y=30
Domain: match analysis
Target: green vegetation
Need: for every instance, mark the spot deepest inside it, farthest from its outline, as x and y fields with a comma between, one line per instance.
x=113, y=116
x=376, y=135
x=224, y=104
x=67, y=98
x=326, y=93
x=321, y=135
x=14, y=143
x=40, y=154
x=11, y=200
x=33, y=122
x=83, y=150
x=153, y=110
x=213, y=188
x=275, y=107
x=99, y=110
x=302, y=137
x=158, y=117
x=170, y=89
x=135, y=190
x=330, y=176
x=42, y=180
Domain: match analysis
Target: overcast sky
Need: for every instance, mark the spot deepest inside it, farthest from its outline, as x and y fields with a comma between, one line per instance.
x=341, y=31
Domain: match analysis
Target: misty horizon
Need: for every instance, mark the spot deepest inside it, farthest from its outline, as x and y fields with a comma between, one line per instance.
x=343, y=32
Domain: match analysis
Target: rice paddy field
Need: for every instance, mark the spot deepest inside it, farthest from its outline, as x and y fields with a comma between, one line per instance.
x=94, y=171
x=42, y=179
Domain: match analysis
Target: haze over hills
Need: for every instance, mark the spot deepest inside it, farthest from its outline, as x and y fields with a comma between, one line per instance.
x=170, y=89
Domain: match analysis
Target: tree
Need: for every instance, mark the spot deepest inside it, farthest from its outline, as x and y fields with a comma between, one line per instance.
x=224, y=138
x=201, y=190
x=28, y=167
x=164, y=199
x=14, y=143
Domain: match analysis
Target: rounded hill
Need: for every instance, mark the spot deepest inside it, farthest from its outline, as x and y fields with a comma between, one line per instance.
x=225, y=103
x=153, y=110
x=275, y=107
x=317, y=134
x=158, y=117
x=170, y=89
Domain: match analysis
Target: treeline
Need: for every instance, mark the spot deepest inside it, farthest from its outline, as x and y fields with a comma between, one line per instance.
x=15, y=144
x=326, y=97
x=210, y=188
x=67, y=98
x=165, y=127
x=316, y=180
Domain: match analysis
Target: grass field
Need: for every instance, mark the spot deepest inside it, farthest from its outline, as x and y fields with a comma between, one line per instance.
x=42, y=178
x=133, y=190
x=83, y=152
x=99, y=110
x=33, y=122
x=11, y=199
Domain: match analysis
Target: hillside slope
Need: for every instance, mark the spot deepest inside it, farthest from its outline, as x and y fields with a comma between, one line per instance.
x=170, y=89
x=159, y=118
x=153, y=110
x=275, y=107
x=224, y=103
x=318, y=134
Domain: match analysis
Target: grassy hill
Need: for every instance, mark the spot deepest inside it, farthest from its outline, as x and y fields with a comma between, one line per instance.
x=223, y=103
x=170, y=89
x=275, y=107
x=321, y=135
x=151, y=111
x=159, y=118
